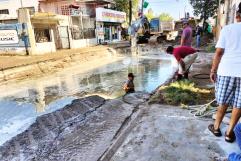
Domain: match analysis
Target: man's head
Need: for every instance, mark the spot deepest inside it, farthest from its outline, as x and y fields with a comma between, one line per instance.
x=169, y=50
x=131, y=76
x=185, y=24
x=238, y=13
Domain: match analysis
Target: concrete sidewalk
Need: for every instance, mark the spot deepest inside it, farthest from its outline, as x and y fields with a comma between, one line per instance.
x=168, y=133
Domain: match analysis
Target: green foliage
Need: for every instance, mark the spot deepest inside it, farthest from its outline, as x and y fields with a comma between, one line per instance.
x=150, y=14
x=180, y=93
x=165, y=17
x=123, y=5
x=205, y=8
x=211, y=48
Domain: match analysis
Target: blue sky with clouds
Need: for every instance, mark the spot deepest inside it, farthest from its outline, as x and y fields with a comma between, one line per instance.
x=173, y=7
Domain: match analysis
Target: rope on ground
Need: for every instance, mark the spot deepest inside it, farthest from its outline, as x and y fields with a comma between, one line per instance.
x=204, y=111
x=200, y=111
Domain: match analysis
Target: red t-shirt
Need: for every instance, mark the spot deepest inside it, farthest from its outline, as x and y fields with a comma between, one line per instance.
x=182, y=52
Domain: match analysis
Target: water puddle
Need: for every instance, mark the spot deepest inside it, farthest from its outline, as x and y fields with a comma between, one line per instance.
x=21, y=103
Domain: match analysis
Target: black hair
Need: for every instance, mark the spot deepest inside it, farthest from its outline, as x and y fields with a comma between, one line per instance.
x=131, y=75
x=169, y=49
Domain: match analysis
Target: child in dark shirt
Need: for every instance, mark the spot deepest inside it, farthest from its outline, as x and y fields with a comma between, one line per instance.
x=129, y=86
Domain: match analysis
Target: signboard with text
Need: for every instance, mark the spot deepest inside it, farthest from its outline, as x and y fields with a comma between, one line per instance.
x=14, y=38
x=107, y=15
x=8, y=37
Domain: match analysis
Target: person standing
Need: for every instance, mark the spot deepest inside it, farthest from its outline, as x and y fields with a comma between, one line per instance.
x=186, y=39
x=198, y=36
x=226, y=74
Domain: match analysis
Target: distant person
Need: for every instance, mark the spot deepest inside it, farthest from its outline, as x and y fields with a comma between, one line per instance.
x=185, y=57
x=129, y=86
x=186, y=39
x=226, y=74
x=198, y=36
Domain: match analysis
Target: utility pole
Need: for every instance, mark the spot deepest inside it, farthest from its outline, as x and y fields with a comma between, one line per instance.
x=142, y=3
x=21, y=1
x=130, y=12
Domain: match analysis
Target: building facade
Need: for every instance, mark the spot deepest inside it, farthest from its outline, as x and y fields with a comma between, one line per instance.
x=50, y=25
x=9, y=9
x=108, y=24
x=226, y=14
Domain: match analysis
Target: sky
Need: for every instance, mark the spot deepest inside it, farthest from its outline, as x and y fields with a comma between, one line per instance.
x=173, y=7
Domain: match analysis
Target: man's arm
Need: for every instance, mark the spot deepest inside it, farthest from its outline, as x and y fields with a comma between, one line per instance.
x=216, y=60
x=126, y=87
x=183, y=37
x=182, y=40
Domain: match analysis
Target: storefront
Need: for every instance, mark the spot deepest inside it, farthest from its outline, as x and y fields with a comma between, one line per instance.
x=108, y=24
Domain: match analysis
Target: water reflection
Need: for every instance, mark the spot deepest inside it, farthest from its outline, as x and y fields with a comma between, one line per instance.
x=106, y=80
x=22, y=103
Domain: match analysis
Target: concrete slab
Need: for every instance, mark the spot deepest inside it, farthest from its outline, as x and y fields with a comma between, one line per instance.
x=80, y=131
x=166, y=133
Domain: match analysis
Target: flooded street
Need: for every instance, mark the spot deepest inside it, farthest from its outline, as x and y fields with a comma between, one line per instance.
x=22, y=102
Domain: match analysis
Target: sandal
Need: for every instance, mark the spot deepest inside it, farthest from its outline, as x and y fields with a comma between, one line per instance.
x=230, y=138
x=215, y=132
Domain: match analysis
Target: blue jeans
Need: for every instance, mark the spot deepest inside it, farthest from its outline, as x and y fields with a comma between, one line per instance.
x=234, y=156
x=198, y=41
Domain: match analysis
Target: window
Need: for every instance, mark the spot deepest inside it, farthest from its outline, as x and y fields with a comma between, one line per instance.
x=5, y=11
x=86, y=33
x=31, y=10
x=65, y=10
x=42, y=35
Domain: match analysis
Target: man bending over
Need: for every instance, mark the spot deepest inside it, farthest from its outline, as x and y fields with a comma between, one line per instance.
x=185, y=57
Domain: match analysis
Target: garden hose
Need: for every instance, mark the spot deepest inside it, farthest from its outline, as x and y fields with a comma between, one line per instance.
x=201, y=76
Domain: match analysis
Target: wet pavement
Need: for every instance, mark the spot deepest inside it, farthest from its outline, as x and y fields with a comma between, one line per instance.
x=22, y=102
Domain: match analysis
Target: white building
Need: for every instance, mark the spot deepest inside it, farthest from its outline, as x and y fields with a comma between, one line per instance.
x=226, y=13
x=9, y=8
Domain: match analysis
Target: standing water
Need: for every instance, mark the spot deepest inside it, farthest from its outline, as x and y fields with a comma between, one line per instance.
x=23, y=102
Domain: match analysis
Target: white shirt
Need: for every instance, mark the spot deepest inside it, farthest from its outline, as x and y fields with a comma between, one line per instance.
x=230, y=41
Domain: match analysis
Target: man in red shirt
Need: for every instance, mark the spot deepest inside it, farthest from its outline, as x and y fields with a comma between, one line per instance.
x=185, y=57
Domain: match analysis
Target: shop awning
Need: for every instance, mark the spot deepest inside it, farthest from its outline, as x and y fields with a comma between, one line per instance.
x=98, y=2
x=74, y=6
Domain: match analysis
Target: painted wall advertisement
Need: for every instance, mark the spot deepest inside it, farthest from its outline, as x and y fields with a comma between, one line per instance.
x=13, y=37
x=8, y=37
x=107, y=15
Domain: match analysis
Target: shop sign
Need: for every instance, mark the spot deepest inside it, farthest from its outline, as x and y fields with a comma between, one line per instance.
x=107, y=15
x=8, y=37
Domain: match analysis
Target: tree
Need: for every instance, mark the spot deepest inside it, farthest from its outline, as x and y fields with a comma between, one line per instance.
x=205, y=8
x=149, y=14
x=165, y=17
x=123, y=5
